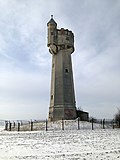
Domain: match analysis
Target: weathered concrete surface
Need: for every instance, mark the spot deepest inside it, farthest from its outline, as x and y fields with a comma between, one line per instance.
x=62, y=96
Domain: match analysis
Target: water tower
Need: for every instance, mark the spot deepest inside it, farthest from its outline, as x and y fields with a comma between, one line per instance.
x=62, y=96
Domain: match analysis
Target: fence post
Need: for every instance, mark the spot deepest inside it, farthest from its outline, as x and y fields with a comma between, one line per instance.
x=92, y=124
x=6, y=125
x=113, y=123
x=10, y=125
x=46, y=125
x=78, y=123
x=62, y=124
x=18, y=126
x=31, y=124
x=103, y=123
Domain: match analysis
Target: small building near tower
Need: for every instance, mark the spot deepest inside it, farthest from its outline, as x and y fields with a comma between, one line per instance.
x=84, y=116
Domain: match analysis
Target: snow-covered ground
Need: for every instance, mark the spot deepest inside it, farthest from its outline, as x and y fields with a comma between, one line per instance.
x=85, y=144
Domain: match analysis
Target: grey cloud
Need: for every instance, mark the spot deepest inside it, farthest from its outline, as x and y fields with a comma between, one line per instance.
x=25, y=59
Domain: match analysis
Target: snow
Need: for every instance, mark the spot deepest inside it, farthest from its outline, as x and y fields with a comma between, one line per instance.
x=69, y=144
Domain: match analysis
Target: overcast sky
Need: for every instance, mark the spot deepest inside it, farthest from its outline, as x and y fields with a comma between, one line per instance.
x=25, y=62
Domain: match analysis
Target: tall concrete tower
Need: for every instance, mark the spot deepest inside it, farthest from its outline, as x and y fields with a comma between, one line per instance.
x=62, y=96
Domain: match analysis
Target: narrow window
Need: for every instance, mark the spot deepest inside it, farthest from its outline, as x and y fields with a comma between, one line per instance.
x=51, y=96
x=51, y=33
x=67, y=38
x=62, y=31
x=66, y=70
x=68, y=47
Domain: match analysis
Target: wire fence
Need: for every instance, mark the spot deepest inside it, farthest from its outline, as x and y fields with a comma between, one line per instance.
x=46, y=125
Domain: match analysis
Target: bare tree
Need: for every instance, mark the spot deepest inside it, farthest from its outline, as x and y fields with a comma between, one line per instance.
x=117, y=118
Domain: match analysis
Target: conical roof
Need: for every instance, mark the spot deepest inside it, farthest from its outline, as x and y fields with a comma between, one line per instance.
x=52, y=21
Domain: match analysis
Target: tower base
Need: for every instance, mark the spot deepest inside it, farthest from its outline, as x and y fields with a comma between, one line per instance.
x=62, y=112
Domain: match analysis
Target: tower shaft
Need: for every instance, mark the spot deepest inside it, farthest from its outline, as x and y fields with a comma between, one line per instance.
x=62, y=96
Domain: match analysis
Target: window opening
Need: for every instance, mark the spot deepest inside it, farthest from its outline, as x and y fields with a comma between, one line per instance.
x=51, y=96
x=66, y=70
x=51, y=33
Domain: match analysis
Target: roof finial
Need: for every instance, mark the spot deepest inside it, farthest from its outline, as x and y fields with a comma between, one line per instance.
x=51, y=16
